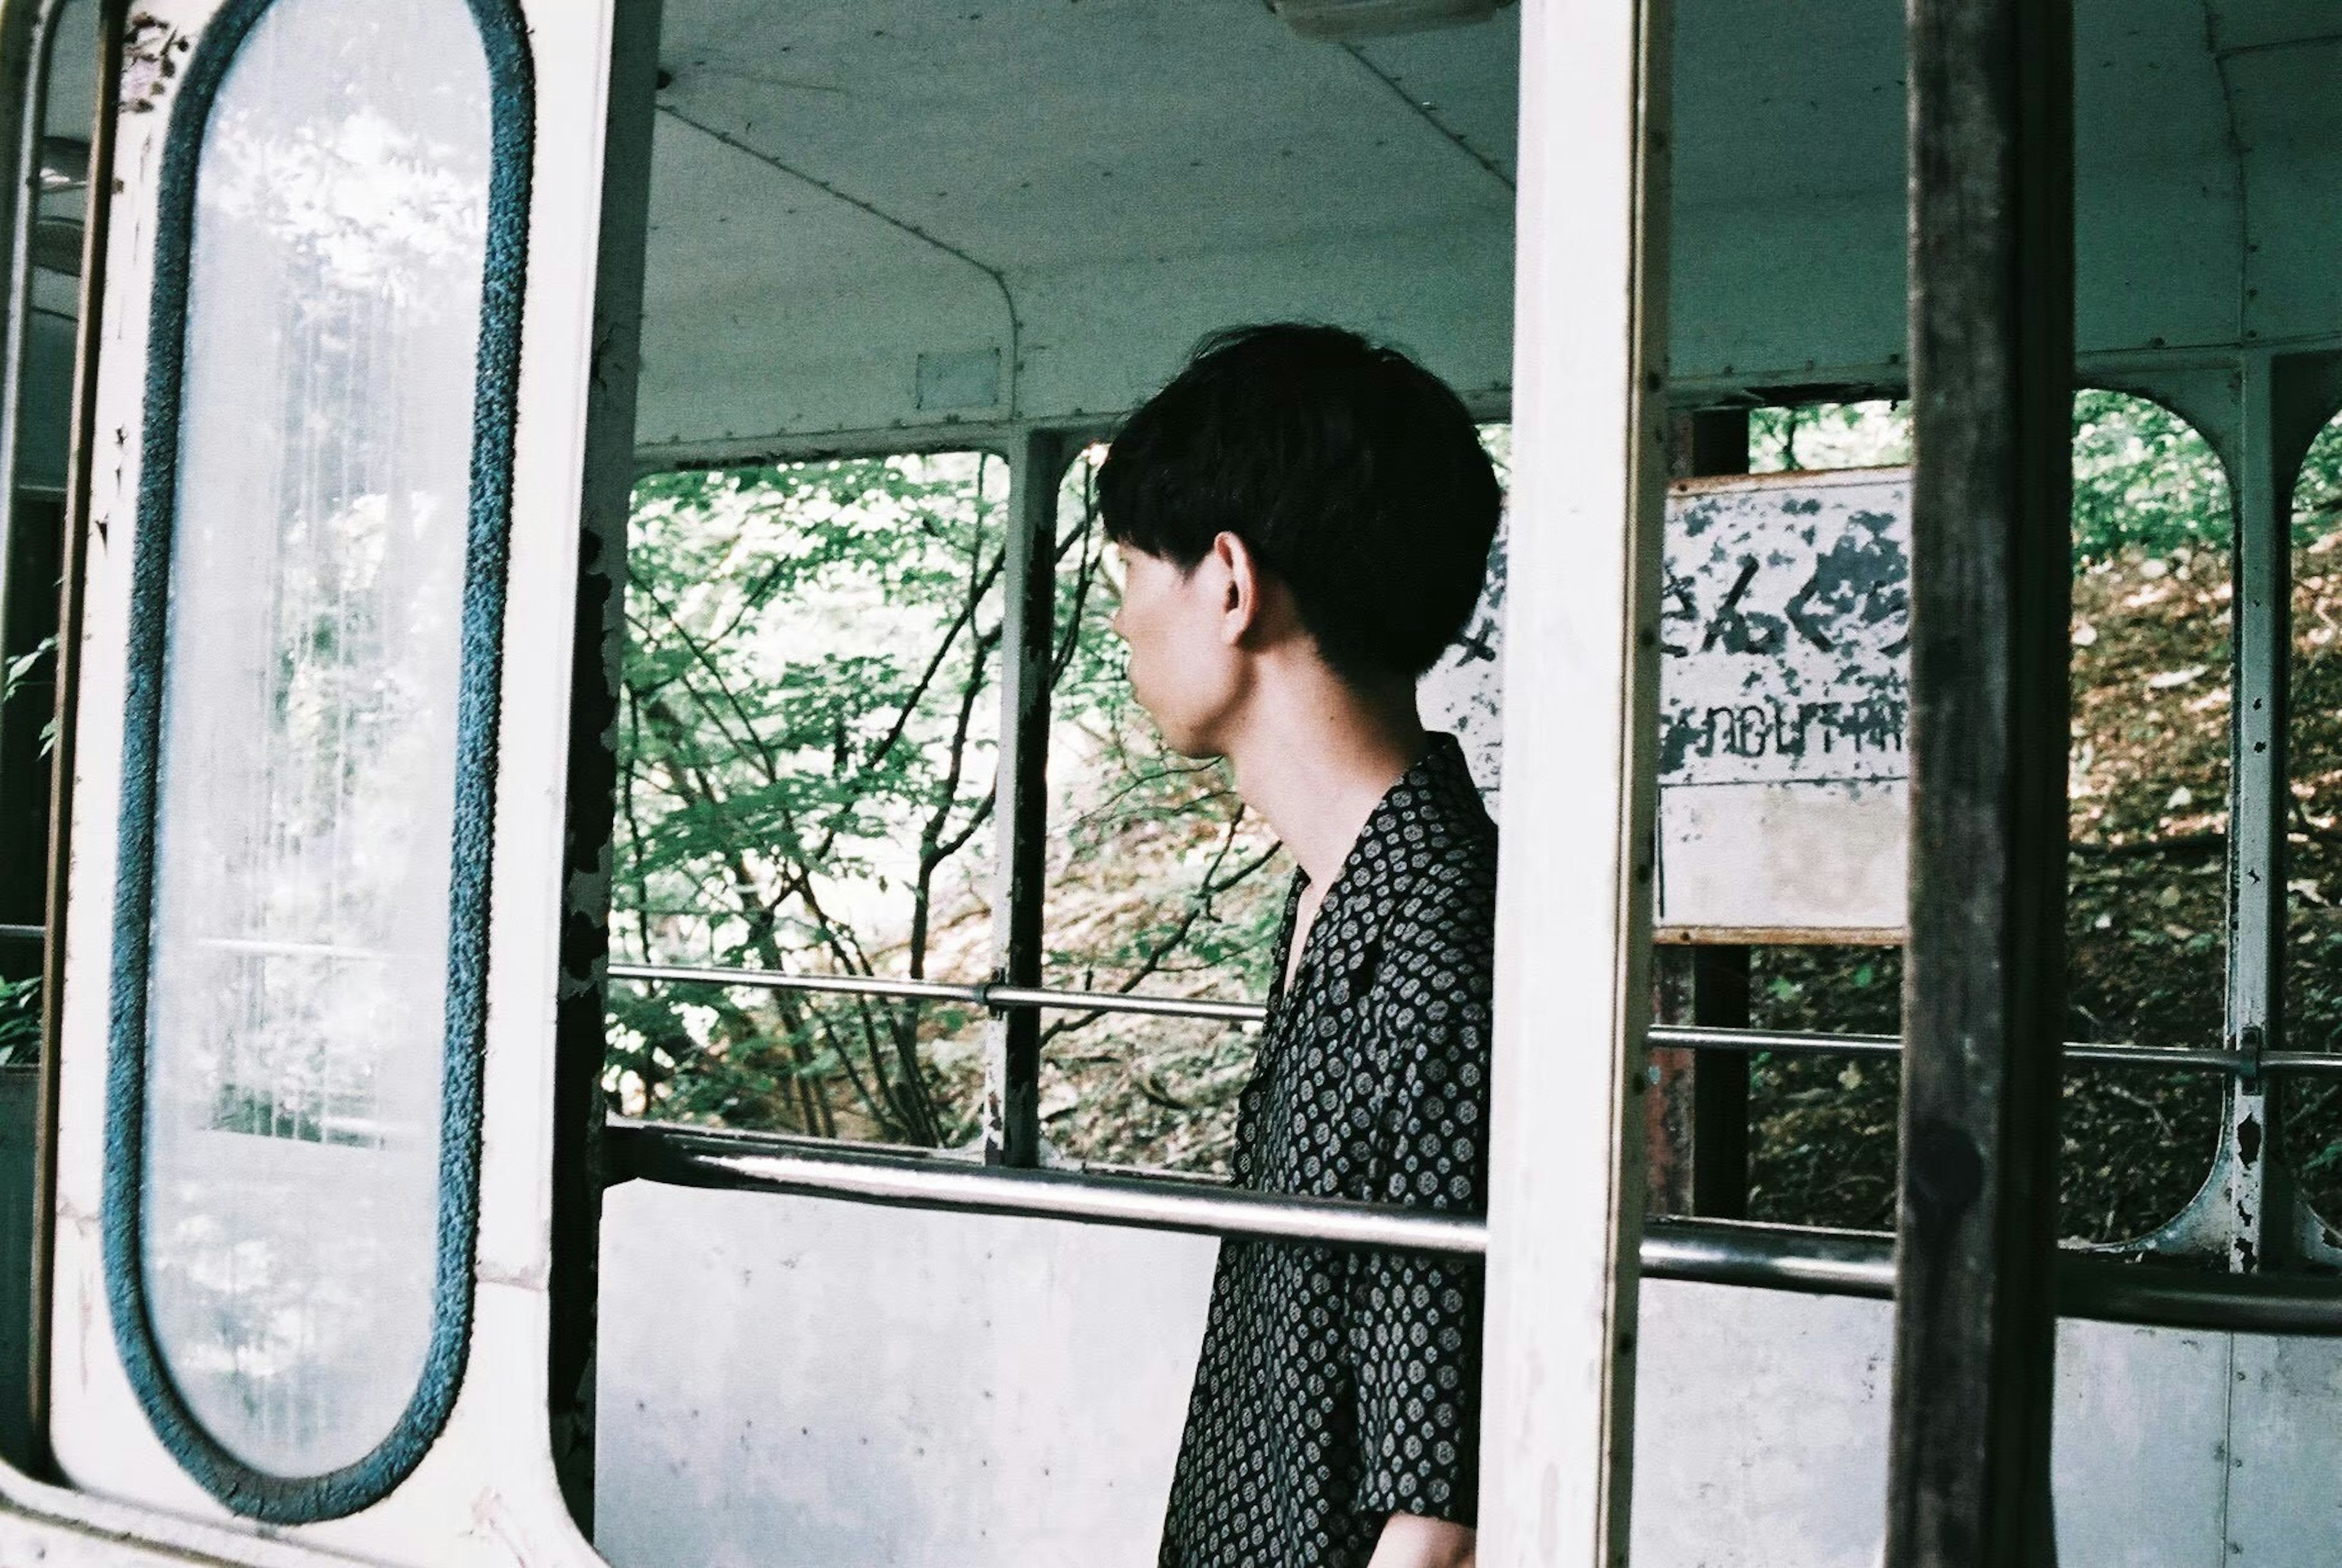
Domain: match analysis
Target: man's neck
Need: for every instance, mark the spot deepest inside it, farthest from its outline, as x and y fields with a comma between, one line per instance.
x=1316, y=757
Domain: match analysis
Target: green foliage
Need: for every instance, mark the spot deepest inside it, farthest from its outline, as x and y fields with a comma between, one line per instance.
x=20, y=669
x=807, y=745
x=2318, y=493
x=808, y=749
x=808, y=738
x=20, y=1021
x=1794, y=436
x=2151, y=523
x=2145, y=481
x=1173, y=825
x=17, y=672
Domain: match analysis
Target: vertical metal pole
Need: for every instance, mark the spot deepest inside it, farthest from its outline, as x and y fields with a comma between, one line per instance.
x=597, y=654
x=1012, y=1078
x=1991, y=149
x=81, y=463
x=2255, y=1210
x=1697, y=1115
x=1670, y=1117
x=1720, y=1129
x=2245, y=1215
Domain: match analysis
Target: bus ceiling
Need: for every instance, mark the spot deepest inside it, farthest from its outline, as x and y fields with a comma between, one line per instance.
x=907, y=216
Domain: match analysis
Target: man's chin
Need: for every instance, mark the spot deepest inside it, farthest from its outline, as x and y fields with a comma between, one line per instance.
x=1193, y=745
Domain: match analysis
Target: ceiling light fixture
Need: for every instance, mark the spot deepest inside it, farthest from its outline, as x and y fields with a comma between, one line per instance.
x=1369, y=18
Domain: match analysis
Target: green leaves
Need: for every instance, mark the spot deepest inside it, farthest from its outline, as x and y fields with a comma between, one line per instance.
x=2145, y=481
x=808, y=741
x=807, y=738
x=20, y=1021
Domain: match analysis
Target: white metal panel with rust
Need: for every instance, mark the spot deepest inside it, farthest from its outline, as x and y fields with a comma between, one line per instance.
x=486, y=1492
x=815, y=1382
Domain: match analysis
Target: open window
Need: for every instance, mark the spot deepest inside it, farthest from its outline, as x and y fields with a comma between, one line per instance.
x=1064, y=201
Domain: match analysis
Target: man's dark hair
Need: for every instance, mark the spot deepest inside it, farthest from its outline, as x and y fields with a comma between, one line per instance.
x=1350, y=472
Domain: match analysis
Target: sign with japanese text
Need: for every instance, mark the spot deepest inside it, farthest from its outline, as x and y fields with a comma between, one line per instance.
x=1785, y=618
x=1784, y=696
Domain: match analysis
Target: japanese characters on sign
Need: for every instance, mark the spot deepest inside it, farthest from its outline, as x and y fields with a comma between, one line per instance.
x=1782, y=768
x=1784, y=620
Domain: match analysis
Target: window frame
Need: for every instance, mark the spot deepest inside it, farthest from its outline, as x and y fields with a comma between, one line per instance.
x=236, y=1484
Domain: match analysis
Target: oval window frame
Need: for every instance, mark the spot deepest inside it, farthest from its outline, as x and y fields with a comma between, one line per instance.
x=236, y=1484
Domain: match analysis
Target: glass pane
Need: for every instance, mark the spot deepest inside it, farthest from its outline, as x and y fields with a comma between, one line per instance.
x=2313, y=980
x=304, y=824
x=807, y=745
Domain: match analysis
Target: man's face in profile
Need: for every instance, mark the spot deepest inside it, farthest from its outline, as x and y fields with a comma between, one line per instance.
x=1182, y=670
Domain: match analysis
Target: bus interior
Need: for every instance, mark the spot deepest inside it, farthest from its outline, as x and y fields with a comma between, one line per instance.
x=831, y=798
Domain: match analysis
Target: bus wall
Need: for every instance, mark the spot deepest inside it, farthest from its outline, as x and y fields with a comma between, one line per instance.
x=811, y=1380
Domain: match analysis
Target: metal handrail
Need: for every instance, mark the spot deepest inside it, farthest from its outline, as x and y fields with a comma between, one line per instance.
x=991, y=996
x=692, y=1157
x=1811, y=1262
x=980, y=994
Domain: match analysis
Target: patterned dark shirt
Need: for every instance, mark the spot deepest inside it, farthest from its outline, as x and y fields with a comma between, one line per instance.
x=1336, y=1388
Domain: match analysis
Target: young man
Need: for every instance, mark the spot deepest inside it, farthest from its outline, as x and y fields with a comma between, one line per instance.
x=1305, y=521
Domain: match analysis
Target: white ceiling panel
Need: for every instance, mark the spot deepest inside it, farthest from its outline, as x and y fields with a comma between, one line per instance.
x=1086, y=185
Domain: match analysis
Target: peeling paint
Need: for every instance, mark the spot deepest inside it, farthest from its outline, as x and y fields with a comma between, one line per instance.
x=1784, y=702
x=152, y=50
x=1785, y=628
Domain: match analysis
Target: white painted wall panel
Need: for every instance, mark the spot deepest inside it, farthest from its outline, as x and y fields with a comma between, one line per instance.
x=2284, y=1505
x=796, y=1381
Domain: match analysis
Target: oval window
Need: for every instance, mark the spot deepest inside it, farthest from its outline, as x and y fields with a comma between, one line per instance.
x=300, y=939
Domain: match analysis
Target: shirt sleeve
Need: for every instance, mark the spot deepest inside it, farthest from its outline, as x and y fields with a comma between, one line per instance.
x=1414, y=1318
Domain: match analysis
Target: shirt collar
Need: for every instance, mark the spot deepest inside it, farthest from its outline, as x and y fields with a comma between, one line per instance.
x=1428, y=795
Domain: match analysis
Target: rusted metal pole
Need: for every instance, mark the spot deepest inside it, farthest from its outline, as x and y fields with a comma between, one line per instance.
x=1991, y=182
x=1697, y=1116
x=1012, y=1091
x=597, y=669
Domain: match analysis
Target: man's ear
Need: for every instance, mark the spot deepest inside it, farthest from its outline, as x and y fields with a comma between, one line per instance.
x=1240, y=606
